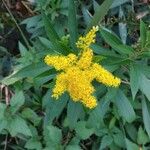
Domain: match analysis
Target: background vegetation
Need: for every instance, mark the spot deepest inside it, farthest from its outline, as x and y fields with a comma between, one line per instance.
x=30, y=118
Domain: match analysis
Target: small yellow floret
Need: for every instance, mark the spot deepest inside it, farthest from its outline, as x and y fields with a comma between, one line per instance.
x=78, y=85
x=85, y=59
x=84, y=42
x=104, y=76
x=60, y=62
x=60, y=86
x=90, y=102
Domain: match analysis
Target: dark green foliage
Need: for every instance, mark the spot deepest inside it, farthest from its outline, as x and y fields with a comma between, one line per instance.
x=31, y=119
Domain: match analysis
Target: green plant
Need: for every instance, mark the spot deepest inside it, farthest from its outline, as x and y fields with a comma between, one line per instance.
x=34, y=120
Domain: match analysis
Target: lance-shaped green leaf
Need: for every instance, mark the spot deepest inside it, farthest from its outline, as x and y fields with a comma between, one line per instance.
x=17, y=101
x=146, y=115
x=2, y=110
x=82, y=131
x=18, y=125
x=142, y=136
x=124, y=107
x=33, y=144
x=101, y=11
x=130, y=145
x=134, y=79
x=72, y=23
x=145, y=86
x=26, y=71
x=122, y=26
x=74, y=112
x=51, y=33
x=106, y=142
x=53, y=107
x=53, y=137
x=143, y=33
x=113, y=40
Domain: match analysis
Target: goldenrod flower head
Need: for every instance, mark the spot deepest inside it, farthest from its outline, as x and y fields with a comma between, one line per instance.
x=85, y=59
x=85, y=42
x=78, y=72
x=61, y=85
x=104, y=76
x=60, y=62
x=90, y=102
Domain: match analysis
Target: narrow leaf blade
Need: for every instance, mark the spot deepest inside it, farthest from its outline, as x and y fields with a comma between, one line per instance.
x=134, y=79
x=74, y=111
x=145, y=86
x=130, y=145
x=100, y=13
x=72, y=23
x=113, y=40
x=124, y=106
x=142, y=33
x=146, y=116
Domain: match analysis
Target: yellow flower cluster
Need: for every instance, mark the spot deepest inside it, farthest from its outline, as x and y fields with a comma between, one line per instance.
x=78, y=72
x=85, y=42
x=60, y=62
